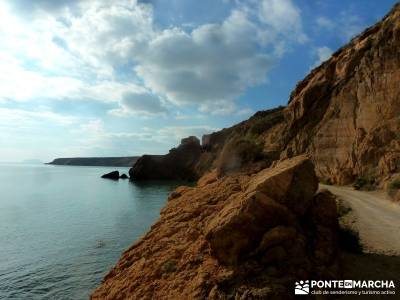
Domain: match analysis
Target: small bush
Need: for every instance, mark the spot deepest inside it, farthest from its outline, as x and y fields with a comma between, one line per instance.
x=366, y=183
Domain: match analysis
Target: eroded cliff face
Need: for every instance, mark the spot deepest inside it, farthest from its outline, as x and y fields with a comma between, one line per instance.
x=345, y=114
x=247, y=236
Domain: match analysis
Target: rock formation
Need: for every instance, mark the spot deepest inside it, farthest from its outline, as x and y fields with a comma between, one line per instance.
x=114, y=175
x=179, y=163
x=344, y=114
x=246, y=236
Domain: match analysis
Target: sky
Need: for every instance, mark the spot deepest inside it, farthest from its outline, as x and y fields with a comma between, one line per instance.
x=129, y=77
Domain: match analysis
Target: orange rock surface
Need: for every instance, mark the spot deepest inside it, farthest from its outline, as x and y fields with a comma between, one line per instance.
x=243, y=236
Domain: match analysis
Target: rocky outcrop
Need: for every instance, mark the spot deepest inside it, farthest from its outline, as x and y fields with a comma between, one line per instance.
x=245, y=236
x=114, y=175
x=345, y=113
x=124, y=176
x=179, y=163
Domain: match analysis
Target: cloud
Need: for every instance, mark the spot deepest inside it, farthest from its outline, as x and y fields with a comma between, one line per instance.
x=323, y=54
x=283, y=16
x=102, y=50
x=72, y=55
x=92, y=137
x=214, y=62
x=15, y=119
x=29, y=7
x=140, y=103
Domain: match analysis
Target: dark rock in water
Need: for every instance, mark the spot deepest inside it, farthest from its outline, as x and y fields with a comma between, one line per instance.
x=112, y=175
x=124, y=176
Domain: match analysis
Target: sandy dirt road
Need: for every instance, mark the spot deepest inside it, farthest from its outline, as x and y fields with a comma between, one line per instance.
x=374, y=216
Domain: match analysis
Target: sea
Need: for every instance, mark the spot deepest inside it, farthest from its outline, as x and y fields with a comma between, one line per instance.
x=62, y=228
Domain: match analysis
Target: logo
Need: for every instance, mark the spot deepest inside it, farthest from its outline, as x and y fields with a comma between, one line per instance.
x=345, y=287
x=302, y=287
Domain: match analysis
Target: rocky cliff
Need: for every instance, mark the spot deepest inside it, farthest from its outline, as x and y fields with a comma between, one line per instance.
x=344, y=114
x=180, y=163
x=246, y=236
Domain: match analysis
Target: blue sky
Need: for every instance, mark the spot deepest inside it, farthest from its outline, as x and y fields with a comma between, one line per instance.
x=128, y=77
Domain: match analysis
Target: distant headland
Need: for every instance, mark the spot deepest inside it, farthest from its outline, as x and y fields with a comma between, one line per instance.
x=127, y=161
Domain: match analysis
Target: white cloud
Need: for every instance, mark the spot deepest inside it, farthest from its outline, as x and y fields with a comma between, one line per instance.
x=323, y=54
x=19, y=118
x=283, y=16
x=78, y=50
x=213, y=63
x=142, y=104
x=70, y=55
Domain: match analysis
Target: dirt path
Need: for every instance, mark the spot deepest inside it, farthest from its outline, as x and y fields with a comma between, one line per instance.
x=375, y=218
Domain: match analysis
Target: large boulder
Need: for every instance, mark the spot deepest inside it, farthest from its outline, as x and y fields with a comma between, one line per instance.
x=272, y=198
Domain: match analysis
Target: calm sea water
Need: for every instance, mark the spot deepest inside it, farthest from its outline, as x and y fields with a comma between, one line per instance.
x=63, y=228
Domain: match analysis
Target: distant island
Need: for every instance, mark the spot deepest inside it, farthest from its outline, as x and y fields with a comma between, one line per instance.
x=96, y=161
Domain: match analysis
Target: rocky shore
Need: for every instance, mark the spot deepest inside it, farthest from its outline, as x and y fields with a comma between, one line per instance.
x=247, y=236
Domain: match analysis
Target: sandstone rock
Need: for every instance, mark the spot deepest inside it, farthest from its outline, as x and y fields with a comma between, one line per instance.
x=291, y=182
x=227, y=238
x=276, y=236
x=208, y=178
x=114, y=175
x=240, y=226
x=178, y=192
